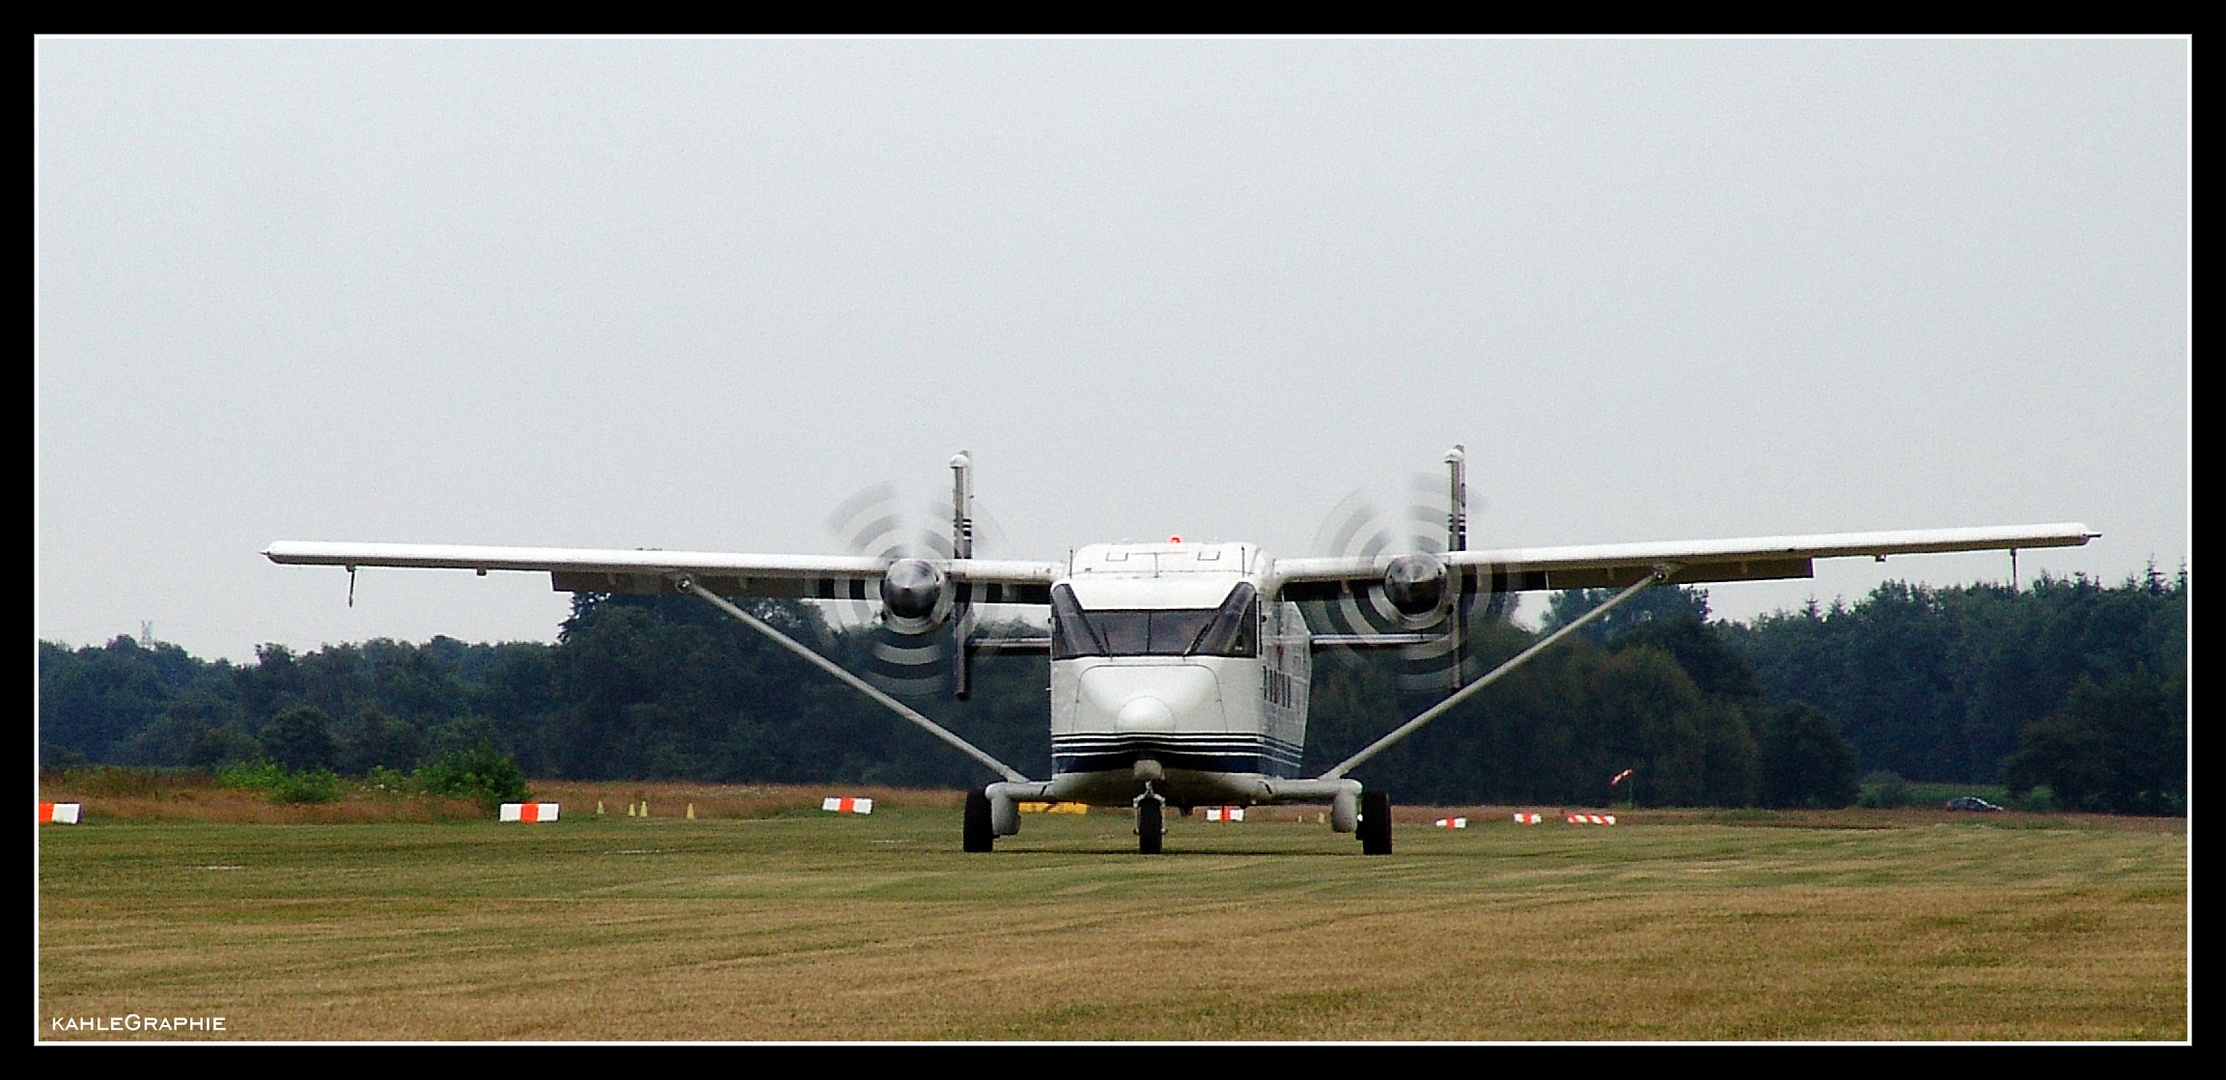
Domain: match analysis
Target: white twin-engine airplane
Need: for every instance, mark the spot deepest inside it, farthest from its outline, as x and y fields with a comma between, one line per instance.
x=1179, y=671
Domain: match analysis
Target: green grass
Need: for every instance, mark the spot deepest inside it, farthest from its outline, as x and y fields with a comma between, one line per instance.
x=811, y=926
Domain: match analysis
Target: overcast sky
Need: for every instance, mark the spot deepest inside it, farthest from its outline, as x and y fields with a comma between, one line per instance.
x=692, y=294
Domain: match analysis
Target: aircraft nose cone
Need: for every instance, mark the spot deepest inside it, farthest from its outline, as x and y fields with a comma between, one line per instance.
x=1145, y=713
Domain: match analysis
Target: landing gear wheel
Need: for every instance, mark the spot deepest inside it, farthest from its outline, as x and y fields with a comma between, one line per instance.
x=979, y=836
x=1150, y=826
x=1375, y=823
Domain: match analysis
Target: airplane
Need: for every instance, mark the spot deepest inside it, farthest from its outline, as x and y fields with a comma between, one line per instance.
x=1180, y=670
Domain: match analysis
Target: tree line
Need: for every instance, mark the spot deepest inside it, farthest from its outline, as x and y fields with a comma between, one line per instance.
x=2068, y=685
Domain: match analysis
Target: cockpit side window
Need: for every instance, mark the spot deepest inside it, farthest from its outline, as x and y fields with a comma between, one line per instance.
x=1071, y=632
x=1235, y=629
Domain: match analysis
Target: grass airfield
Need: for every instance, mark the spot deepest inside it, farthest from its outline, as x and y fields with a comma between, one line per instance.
x=798, y=925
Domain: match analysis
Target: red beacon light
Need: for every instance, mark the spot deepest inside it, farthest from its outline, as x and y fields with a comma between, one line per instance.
x=1174, y=539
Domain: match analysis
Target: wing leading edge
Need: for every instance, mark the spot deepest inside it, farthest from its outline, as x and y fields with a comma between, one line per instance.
x=1602, y=566
x=856, y=577
x=826, y=577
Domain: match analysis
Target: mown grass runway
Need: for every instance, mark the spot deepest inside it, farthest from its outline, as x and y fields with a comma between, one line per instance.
x=806, y=926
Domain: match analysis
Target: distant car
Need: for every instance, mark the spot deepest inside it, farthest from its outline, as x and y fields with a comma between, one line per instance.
x=1970, y=802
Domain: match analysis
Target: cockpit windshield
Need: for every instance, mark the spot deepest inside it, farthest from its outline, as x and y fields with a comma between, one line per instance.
x=1233, y=629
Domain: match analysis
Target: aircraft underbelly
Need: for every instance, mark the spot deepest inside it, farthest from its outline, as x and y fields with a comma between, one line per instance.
x=1183, y=787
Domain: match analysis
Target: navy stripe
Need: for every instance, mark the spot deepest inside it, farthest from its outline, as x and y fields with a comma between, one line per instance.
x=1171, y=736
x=1162, y=739
x=1126, y=760
x=1104, y=752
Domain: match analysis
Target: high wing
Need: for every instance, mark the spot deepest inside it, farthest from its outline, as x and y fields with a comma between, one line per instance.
x=1602, y=566
x=824, y=577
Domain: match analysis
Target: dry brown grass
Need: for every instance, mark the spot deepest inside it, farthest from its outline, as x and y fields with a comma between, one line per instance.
x=191, y=799
x=141, y=796
x=249, y=807
x=1853, y=817
x=671, y=798
x=1779, y=964
x=822, y=927
x=196, y=797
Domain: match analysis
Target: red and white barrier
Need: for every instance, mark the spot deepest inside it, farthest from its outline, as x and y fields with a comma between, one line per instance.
x=59, y=813
x=1590, y=819
x=1225, y=813
x=1451, y=823
x=529, y=811
x=1527, y=819
x=843, y=805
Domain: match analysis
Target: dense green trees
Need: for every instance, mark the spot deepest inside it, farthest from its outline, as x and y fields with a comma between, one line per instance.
x=300, y=738
x=672, y=687
x=1943, y=684
x=94, y=702
x=1657, y=692
x=2067, y=685
x=1805, y=761
x=2118, y=747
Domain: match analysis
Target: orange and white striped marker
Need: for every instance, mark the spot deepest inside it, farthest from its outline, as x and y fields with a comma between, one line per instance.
x=1451, y=823
x=1225, y=813
x=1527, y=819
x=530, y=811
x=59, y=813
x=1590, y=819
x=846, y=805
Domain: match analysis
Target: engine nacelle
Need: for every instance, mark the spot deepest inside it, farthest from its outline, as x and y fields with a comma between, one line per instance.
x=916, y=596
x=1416, y=586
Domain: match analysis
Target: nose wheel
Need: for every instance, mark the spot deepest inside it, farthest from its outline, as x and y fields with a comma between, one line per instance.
x=1151, y=823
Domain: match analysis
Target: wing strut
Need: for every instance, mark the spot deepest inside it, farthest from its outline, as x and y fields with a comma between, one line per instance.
x=688, y=584
x=1661, y=571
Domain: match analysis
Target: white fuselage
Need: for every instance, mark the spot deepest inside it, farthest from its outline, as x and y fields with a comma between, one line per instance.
x=1169, y=670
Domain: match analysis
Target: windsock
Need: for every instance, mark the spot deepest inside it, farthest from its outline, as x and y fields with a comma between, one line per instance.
x=1620, y=777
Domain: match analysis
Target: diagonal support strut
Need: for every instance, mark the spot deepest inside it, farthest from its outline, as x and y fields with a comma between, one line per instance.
x=1433, y=712
x=861, y=685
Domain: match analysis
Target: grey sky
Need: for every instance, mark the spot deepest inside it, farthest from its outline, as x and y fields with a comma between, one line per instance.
x=691, y=294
